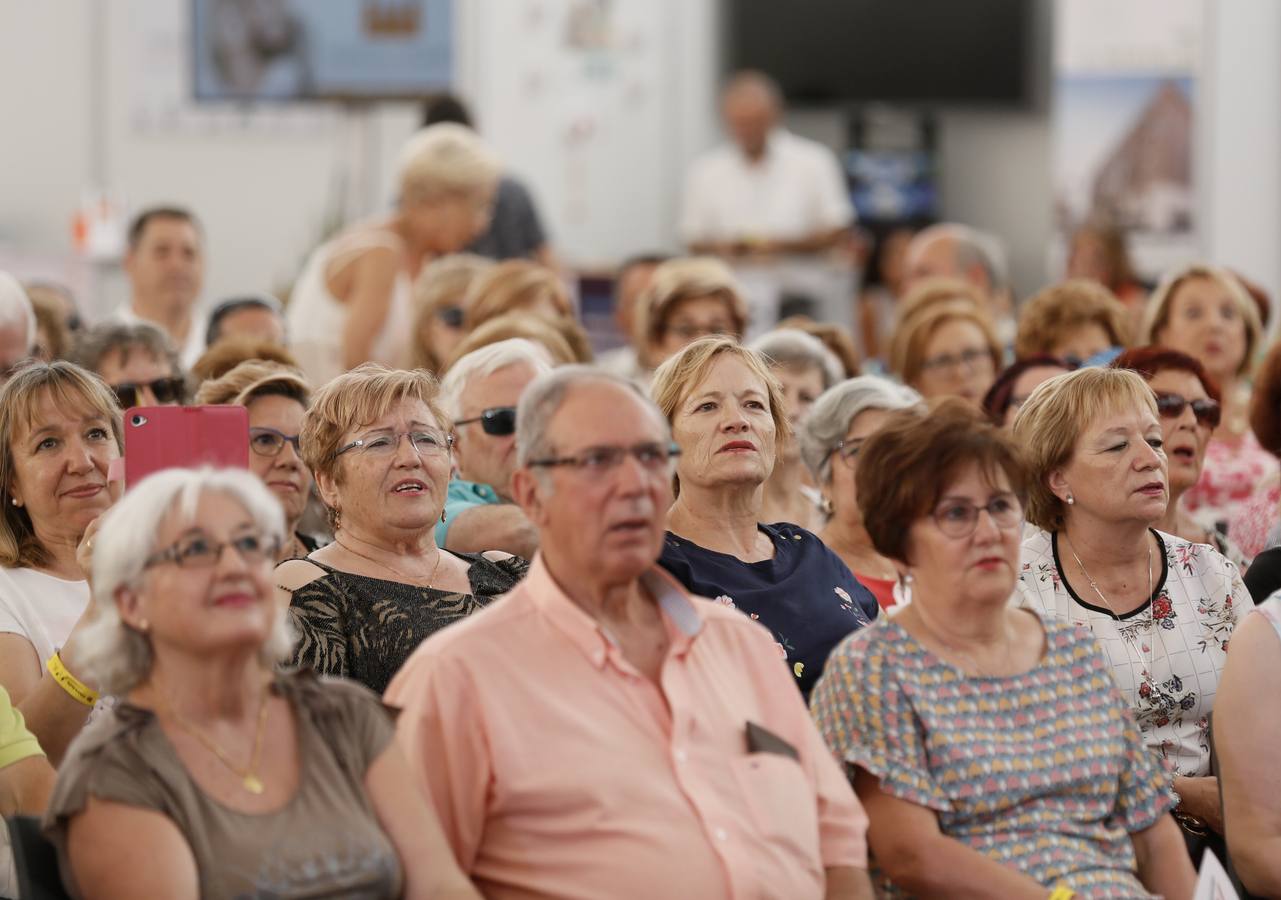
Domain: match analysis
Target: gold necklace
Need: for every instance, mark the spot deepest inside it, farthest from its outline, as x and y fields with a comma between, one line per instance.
x=1094, y=585
x=249, y=775
x=430, y=579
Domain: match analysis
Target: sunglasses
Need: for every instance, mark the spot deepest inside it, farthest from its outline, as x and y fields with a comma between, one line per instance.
x=1207, y=412
x=499, y=421
x=165, y=390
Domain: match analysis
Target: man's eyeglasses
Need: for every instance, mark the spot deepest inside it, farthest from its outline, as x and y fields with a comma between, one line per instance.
x=1207, y=412
x=958, y=519
x=425, y=443
x=269, y=441
x=165, y=390
x=199, y=552
x=967, y=358
x=652, y=457
x=498, y=421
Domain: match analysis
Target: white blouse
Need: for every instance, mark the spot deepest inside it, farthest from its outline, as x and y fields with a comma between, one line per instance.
x=41, y=608
x=1166, y=655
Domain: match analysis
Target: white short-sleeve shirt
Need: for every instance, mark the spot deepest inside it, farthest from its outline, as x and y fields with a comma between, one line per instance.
x=795, y=190
x=40, y=607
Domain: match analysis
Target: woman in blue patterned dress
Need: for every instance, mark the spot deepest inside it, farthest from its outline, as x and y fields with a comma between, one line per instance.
x=991, y=749
x=1163, y=609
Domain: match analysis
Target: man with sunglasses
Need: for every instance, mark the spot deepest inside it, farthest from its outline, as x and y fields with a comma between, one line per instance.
x=480, y=393
x=136, y=360
x=599, y=731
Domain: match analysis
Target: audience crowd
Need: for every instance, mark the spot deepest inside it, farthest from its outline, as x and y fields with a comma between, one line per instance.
x=981, y=600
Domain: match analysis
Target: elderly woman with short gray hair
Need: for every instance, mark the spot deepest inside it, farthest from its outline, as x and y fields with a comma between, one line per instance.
x=830, y=439
x=230, y=779
x=804, y=368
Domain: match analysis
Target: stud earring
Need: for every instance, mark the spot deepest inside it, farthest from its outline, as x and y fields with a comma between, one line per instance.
x=13, y=500
x=1070, y=499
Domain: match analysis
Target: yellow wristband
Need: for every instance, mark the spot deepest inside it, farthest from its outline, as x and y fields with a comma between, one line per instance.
x=1062, y=893
x=79, y=691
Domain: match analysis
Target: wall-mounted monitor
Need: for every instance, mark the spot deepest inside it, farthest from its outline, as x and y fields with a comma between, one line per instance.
x=265, y=50
x=828, y=52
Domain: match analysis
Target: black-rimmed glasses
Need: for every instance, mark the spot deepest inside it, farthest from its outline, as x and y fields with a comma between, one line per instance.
x=652, y=457
x=498, y=421
x=165, y=390
x=269, y=441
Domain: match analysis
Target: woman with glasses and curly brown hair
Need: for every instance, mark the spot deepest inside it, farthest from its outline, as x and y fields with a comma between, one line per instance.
x=376, y=441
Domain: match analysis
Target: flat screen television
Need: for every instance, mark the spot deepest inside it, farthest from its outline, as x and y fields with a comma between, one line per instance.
x=825, y=52
x=253, y=50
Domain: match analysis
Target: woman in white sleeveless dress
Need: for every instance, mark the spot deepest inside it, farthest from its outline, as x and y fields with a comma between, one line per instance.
x=352, y=302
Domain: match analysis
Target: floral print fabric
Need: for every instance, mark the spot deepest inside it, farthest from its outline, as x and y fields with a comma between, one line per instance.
x=1043, y=772
x=1166, y=655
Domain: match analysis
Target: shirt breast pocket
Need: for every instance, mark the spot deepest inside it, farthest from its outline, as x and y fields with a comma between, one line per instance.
x=780, y=799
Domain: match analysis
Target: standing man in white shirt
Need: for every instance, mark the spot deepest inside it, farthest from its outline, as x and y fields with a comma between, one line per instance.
x=773, y=205
x=770, y=191
x=165, y=263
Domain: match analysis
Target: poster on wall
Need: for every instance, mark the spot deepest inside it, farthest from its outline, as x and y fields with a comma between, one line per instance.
x=1124, y=113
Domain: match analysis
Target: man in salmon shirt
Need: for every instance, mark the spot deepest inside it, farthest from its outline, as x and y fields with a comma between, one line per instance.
x=599, y=732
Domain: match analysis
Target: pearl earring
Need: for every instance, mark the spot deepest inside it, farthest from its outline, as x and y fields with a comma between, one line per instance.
x=13, y=500
x=1070, y=499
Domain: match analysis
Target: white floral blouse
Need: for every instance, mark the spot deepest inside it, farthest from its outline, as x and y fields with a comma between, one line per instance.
x=1167, y=654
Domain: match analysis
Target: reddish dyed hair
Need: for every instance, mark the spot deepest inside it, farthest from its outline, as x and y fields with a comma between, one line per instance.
x=1150, y=360
x=1265, y=401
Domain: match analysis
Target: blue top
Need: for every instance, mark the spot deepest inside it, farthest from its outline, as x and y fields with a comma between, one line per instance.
x=806, y=596
x=460, y=497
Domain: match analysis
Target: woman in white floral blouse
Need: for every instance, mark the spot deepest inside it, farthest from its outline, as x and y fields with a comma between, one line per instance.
x=1162, y=608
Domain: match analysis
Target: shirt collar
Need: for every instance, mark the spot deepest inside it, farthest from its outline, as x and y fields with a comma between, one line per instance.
x=679, y=609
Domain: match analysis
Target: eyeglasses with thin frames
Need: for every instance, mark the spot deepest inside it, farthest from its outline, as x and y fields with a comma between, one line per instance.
x=269, y=441
x=968, y=359
x=425, y=442
x=846, y=452
x=199, y=552
x=960, y=518
x=652, y=458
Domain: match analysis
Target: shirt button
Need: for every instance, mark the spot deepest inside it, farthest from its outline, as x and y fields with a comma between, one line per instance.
x=721, y=834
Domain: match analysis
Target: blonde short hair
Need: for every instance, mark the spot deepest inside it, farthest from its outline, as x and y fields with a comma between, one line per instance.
x=683, y=279
x=934, y=291
x=252, y=379
x=1061, y=308
x=677, y=377
x=357, y=398
x=907, y=347
x=71, y=388
x=1156, y=315
x=230, y=352
x=442, y=282
x=445, y=159
x=1056, y=414
x=510, y=287
x=563, y=339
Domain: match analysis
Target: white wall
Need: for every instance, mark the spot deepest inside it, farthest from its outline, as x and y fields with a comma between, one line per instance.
x=263, y=191
x=1240, y=141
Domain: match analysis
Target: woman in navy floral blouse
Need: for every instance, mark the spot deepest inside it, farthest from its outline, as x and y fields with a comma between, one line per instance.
x=727, y=417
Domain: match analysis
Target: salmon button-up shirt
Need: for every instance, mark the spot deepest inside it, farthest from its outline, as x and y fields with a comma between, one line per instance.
x=558, y=770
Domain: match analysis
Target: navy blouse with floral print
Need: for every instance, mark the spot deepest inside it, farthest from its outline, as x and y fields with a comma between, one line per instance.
x=806, y=596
